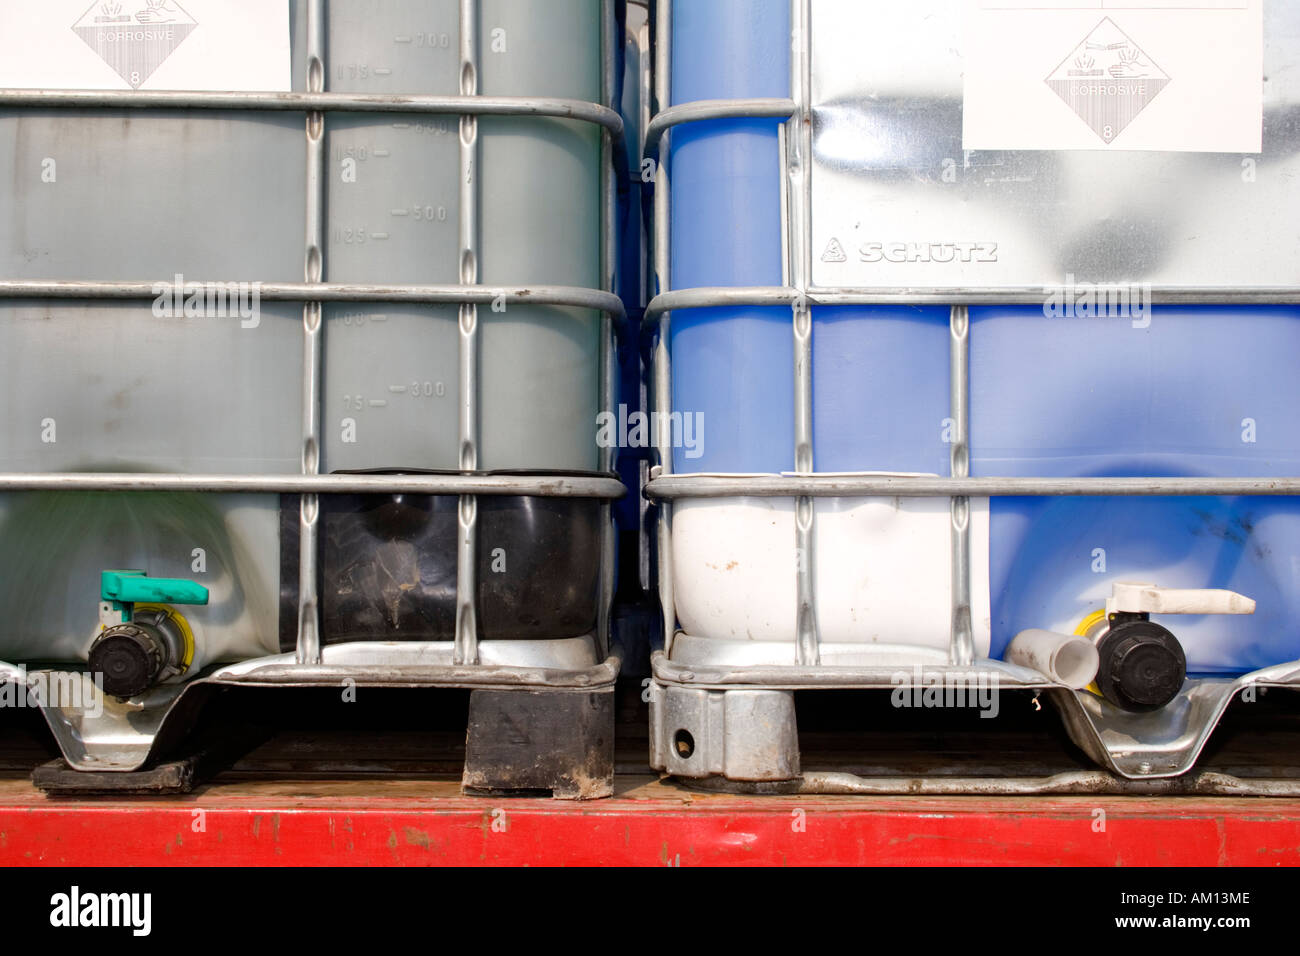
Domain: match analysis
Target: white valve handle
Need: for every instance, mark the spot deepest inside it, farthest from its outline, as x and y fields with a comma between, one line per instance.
x=1129, y=597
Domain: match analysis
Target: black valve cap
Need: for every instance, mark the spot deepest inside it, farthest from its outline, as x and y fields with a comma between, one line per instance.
x=127, y=658
x=1142, y=665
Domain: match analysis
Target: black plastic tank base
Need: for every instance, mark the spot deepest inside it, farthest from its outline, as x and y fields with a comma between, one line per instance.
x=388, y=566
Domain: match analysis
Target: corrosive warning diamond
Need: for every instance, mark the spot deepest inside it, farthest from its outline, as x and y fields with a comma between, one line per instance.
x=1108, y=80
x=134, y=36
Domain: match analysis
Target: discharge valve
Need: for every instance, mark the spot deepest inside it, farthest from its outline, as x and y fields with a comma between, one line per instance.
x=1142, y=665
x=143, y=640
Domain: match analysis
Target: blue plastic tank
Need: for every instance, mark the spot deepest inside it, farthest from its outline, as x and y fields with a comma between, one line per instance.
x=731, y=366
x=1190, y=394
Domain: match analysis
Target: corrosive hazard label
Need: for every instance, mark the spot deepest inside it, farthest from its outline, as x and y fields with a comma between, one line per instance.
x=236, y=45
x=134, y=36
x=1107, y=80
x=1113, y=74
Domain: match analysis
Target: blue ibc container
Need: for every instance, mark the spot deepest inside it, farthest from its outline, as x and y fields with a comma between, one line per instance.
x=1193, y=393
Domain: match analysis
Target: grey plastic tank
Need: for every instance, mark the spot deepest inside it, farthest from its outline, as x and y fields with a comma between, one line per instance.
x=211, y=195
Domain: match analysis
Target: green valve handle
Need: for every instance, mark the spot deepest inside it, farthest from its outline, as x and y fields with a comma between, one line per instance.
x=132, y=654
x=124, y=588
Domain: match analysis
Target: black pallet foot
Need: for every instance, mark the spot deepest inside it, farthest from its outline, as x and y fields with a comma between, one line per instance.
x=175, y=776
x=554, y=740
x=179, y=775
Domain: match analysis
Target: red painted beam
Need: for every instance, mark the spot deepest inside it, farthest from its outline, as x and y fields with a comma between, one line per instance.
x=421, y=823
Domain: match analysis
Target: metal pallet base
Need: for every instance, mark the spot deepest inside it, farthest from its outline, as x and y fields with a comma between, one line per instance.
x=734, y=727
x=1070, y=783
x=531, y=728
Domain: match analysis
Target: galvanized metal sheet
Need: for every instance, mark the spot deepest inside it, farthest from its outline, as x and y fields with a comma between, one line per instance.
x=897, y=202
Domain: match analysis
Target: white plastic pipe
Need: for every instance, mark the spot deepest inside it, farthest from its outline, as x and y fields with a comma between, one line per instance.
x=1065, y=658
x=1149, y=599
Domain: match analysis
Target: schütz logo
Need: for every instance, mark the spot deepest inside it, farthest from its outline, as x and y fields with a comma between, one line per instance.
x=94, y=910
x=900, y=252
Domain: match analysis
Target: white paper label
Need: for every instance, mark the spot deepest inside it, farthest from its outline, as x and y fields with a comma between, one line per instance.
x=1177, y=75
x=232, y=45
